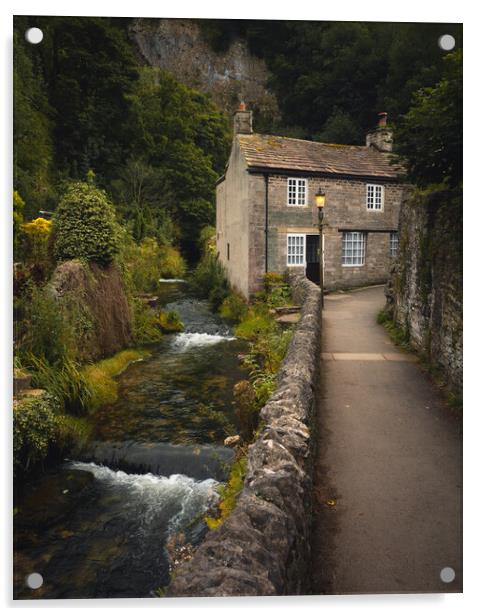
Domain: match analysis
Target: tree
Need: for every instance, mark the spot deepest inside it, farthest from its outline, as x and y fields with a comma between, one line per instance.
x=84, y=225
x=429, y=137
x=32, y=128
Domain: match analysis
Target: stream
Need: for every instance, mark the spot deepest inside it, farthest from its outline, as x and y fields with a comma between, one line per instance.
x=98, y=526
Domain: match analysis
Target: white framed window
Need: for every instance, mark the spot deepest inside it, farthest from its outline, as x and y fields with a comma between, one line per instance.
x=297, y=191
x=296, y=249
x=353, y=248
x=375, y=197
x=393, y=244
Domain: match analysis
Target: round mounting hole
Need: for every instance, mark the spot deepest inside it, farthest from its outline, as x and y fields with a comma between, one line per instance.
x=447, y=575
x=446, y=42
x=34, y=581
x=34, y=35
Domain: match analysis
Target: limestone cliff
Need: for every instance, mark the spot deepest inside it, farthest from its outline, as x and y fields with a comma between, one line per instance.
x=176, y=45
x=425, y=291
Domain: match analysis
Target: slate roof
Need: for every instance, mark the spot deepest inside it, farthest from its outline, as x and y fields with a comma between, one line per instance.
x=283, y=153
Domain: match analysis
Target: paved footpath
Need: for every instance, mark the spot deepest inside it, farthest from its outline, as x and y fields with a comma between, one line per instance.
x=388, y=474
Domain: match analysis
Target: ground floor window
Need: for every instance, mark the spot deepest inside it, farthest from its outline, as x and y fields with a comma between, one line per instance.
x=353, y=248
x=296, y=249
x=393, y=244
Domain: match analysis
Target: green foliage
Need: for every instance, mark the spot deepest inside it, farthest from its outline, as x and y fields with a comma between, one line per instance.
x=234, y=307
x=36, y=245
x=32, y=127
x=145, y=263
x=209, y=281
x=43, y=331
x=39, y=428
x=183, y=142
x=170, y=322
x=229, y=492
x=277, y=291
x=18, y=209
x=89, y=68
x=429, y=137
x=35, y=425
x=85, y=225
x=145, y=327
x=64, y=380
x=257, y=323
x=340, y=128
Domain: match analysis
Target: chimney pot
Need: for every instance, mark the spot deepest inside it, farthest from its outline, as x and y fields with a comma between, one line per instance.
x=382, y=118
x=242, y=106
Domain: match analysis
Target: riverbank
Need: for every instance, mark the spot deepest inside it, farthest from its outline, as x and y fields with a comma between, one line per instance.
x=97, y=530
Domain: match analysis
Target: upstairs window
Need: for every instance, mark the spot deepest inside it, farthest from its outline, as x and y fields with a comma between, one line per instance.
x=353, y=248
x=393, y=244
x=374, y=197
x=296, y=249
x=297, y=190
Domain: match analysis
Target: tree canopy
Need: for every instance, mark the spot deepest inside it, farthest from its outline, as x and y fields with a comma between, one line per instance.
x=429, y=136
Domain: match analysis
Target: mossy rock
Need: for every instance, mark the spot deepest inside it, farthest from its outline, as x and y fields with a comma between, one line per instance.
x=170, y=323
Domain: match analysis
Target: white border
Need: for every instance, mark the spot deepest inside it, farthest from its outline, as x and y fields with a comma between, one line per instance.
x=351, y=10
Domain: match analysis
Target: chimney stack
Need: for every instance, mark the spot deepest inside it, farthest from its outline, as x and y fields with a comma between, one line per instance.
x=243, y=120
x=380, y=137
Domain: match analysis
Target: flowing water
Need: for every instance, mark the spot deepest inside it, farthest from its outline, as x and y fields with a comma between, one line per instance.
x=99, y=526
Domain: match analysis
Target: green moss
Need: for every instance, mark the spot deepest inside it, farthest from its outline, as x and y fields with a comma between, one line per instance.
x=170, y=322
x=100, y=377
x=229, y=493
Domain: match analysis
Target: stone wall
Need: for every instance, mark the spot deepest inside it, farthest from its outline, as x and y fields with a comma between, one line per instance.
x=263, y=548
x=424, y=294
x=345, y=209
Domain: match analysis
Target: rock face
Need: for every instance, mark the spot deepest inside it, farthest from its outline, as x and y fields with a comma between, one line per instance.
x=177, y=46
x=263, y=548
x=424, y=294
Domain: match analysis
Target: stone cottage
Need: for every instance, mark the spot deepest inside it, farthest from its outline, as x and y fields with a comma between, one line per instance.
x=267, y=217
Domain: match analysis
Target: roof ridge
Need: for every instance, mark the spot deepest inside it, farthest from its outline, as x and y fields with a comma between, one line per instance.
x=331, y=145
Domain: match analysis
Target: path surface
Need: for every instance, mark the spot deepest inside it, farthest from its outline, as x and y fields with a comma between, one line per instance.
x=388, y=477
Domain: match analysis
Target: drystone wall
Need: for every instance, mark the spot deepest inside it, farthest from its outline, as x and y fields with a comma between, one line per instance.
x=424, y=293
x=263, y=548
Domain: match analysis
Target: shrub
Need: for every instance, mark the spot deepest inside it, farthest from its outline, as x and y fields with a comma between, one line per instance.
x=172, y=264
x=63, y=380
x=143, y=264
x=170, y=322
x=18, y=208
x=209, y=281
x=145, y=327
x=46, y=333
x=36, y=235
x=84, y=225
x=234, y=307
x=254, y=325
x=35, y=427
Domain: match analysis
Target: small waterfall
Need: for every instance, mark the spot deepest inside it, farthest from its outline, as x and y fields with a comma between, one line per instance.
x=155, y=500
x=185, y=341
